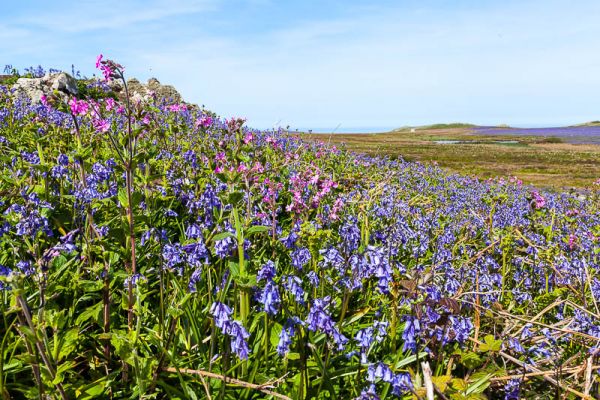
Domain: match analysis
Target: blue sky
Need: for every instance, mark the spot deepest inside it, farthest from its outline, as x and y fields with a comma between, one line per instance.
x=324, y=64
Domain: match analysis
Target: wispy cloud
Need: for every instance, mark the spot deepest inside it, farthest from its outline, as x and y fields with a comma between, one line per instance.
x=376, y=63
x=112, y=14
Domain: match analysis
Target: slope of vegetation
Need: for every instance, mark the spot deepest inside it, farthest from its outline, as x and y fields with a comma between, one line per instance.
x=151, y=250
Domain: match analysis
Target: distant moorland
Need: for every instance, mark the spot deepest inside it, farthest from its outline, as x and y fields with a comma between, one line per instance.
x=547, y=157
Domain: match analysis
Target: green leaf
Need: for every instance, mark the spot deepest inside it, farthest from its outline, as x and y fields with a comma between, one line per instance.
x=235, y=197
x=470, y=360
x=480, y=384
x=122, y=197
x=223, y=235
x=69, y=343
x=441, y=382
x=276, y=329
x=234, y=268
x=92, y=312
x=257, y=229
x=491, y=344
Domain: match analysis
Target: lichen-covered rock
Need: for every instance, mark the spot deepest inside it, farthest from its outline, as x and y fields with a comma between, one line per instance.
x=167, y=92
x=152, y=88
x=60, y=83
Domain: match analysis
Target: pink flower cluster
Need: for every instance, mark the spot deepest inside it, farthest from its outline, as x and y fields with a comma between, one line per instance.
x=204, y=121
x=305, y=184
x=272, y=192
x=177, y=107
x=78, y=107
x=235, y=124
x=538, y=200
x=109, y=68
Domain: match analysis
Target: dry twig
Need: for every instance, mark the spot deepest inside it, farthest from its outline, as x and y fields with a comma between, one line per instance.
x=212, y=375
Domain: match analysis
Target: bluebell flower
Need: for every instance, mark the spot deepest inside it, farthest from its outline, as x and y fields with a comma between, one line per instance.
x=194, y=279
x=515, y=345
x=369, y=393
x=285, y=339
x=173, y=255
x=170, y=213
x=512, y=389
x=225, y=247
x=193, y=231
x=459, y=329
x=63, y=160
x=379, y=371
x=26, y=268
x=313, y=278
x=350, y=235
x=290, y=240
x=293, y=285
x=196, y=253
x=331, y=258
x=239, y=336
x=31, y=158
x=319, y=320
x=269, y=298
x=4, y=271
x=266, y=272
x=410, y=335
x=221, y=313
x=364, y=337
x=401, y=384
x=300, y=257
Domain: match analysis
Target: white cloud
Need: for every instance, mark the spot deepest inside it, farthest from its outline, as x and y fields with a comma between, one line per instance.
x=371, y=66
x=113, y=14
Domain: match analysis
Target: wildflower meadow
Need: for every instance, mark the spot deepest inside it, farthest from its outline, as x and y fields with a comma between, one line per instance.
x=153, y=250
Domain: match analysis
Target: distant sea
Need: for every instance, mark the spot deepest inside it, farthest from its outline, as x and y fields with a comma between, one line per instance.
x=343, y=129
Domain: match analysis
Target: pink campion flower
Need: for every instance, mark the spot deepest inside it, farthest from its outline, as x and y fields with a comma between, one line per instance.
x=204, y=121
x=219, y=169
x=109, y=68
x=73, y=104
x=220, y=157
x=248, y=138
x=538, y=200
x=107, y=72
x=44, y=100
x=121, y=110
x=514, y=179
x=109, y=104
x=257, y=167
x=235, y=124
x=572, y=243
x=314, y=179
x=146, y=120
x=176, y=107
x=78, y=107
x=101, y=125
x=242, y=168
x=337, y=206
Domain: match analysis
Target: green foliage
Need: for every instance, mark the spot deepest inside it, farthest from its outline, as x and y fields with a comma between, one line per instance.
x=116, y=306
